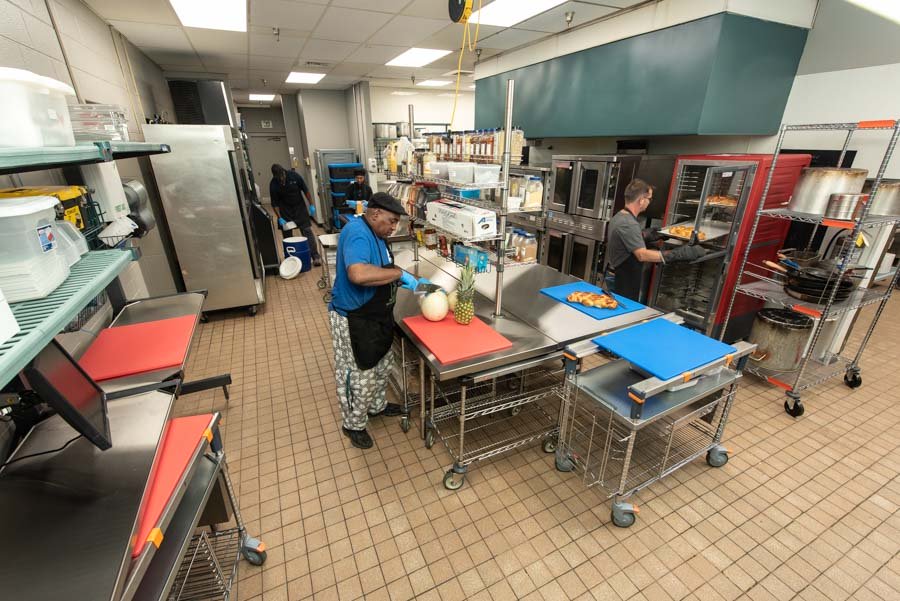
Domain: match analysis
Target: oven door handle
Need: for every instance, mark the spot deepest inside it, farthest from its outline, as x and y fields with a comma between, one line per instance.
x=709, y=257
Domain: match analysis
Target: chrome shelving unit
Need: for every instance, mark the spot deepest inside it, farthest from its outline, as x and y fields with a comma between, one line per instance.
x=813, y=372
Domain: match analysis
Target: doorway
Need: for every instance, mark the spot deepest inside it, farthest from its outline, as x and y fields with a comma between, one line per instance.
x=265, y=150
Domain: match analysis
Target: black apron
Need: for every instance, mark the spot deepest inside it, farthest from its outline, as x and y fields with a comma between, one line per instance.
x=372, y=325
x=292, y=206
x=359, y=192
x=629, y=277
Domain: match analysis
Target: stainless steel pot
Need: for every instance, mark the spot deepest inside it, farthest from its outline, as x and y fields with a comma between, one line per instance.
x=844, y=206
x=781, y=336
x=817, y=184
x=383, y=130
x=887, y=199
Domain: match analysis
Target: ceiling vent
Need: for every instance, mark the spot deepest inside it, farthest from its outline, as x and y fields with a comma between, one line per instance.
x=317, y=65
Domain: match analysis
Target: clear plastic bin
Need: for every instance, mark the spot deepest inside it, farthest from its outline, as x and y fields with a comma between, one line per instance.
x=34, y=109
x=31, y=263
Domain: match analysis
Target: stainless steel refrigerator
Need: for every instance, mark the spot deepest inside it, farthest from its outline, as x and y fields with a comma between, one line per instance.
x=206, y=194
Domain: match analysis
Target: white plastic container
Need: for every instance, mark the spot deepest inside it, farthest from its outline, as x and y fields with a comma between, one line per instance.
x=486, y=174
x=461, y=173
x=31, y=263
x=68, y=230
x=67, y=245
x=9, y=327
x=34, y=109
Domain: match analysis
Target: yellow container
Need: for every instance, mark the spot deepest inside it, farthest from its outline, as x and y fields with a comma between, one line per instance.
x=72, y=199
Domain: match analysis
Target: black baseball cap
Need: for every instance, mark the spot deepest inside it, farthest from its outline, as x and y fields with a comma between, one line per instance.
x=383, y=200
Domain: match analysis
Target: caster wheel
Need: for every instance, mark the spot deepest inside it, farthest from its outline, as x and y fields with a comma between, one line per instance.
x=796, y=410
x=404, y=423
x=623, y=515
x=321, y=284
x=429, y=440
x=454, y=481
x=852, y=379
x=204, y=318
x=717, y=457
x=256, y=558
x=327, y=297
x=515, y=411
x=549, y=445
x=564, y=464
x=251, y=311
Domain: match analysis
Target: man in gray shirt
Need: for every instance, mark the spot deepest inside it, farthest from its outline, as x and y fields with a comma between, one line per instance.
x=626, y=251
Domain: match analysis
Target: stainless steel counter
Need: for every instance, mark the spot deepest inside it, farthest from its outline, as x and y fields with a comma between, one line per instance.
x=68, y=517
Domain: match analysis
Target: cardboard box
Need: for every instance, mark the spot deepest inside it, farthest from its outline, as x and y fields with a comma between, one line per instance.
x=463, y=220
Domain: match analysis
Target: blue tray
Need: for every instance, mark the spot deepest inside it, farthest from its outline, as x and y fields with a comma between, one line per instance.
x=663, y=349
x=559, y=293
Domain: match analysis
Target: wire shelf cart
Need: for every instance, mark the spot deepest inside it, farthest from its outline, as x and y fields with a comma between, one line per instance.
x=622, y=432
x=814, y=370
x=327, y=245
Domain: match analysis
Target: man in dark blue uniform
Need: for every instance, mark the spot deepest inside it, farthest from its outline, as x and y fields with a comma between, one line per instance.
x=292, y=203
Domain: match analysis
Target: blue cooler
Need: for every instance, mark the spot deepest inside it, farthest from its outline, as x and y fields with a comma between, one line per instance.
x=298, y=247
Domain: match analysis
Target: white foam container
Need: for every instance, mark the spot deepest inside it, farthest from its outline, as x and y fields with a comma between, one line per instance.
x=31, y=263
x=35, y=111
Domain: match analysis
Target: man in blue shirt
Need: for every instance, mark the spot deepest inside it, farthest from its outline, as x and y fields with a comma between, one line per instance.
x=361, y=316
x=290, y=196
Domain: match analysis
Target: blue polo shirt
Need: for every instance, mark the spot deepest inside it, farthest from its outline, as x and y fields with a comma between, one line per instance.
x=356, y=244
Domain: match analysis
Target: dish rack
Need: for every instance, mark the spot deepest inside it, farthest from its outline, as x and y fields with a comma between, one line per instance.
x=759, y=284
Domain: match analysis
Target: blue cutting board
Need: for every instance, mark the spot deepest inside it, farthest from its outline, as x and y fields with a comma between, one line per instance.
x=559, y=293
x=663, y=349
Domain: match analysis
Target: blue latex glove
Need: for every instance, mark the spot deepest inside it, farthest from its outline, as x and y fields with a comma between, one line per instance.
x=351, y=204
x=281, y=222
x=312, y=210
x=408, y=281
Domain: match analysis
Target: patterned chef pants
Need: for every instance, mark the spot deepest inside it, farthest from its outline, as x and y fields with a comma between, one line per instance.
x=361, y=393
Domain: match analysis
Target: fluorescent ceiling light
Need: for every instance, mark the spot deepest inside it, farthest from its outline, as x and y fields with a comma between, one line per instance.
x=434, y=83
x=263, y=97
x=889, y=9
x=402, y=93
x=297, y=77
x=227, y=15
x=506, y=13
x=417, y=57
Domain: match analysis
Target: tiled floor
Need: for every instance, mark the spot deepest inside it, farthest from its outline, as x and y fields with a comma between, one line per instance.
x=804, y=509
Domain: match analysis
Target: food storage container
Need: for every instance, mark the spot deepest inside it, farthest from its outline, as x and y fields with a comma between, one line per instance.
x=31, y=264
x=817, y=184
x=34, y=109
x=887, y=200
x=486, y=174
x=461, y=173
x=9, y=327
x=844, y=207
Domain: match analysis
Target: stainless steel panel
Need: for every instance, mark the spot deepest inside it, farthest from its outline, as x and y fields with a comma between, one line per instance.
x=200, y=196
x=69, y=517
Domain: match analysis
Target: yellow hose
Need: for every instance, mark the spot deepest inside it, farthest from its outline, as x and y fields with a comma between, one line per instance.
x=472, y=45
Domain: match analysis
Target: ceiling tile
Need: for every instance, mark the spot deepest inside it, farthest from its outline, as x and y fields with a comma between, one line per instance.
x=145, y=11
x=352, y=69
x=299, y=16
x=194, y=66
x=554, y=20
x=348, y=25
x=275, y=77
x=210, y=40
x=378, y=55
x=384, y=7
x=238, y=83
x=172, y=57
x=225, y=61
x=405, y=73
x=327, y=50
x=433, y=9
x=267, y=45
x=511, y=38
x=407, y=30
x=270, y=62
x=144, y=35
x=450, y=38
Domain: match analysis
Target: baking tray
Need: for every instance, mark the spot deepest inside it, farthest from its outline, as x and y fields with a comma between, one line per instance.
x=713, y=230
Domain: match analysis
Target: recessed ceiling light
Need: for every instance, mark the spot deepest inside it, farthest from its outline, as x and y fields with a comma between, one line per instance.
x=263, y=97
x=298, y=77
x=226, y=15
x=889, y=9
x=417, y=57
x=402, y=93
x=434, y=83
x=506, y=13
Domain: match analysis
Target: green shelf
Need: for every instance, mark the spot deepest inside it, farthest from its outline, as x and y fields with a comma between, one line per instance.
x=42, y=319
x=18, y=160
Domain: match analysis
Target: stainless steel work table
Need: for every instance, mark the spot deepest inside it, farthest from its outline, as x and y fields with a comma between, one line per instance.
x=68, y=518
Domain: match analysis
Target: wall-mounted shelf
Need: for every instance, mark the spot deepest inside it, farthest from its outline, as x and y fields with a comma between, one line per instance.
x=42, y=319
x=19, y=160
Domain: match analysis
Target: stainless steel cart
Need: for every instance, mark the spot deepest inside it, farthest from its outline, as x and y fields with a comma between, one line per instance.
x=623, y=431
x=327, y=245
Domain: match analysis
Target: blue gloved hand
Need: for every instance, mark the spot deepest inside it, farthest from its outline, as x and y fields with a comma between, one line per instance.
x=408, y=281
x=312, y=210
x=281, y=222
x=351, y=204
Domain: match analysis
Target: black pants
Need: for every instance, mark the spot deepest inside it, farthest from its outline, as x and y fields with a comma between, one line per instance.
x=307, y=233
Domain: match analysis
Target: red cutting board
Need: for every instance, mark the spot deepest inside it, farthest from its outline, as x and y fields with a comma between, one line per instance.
x=137, y=348
x=451, y=342
x=180, y=440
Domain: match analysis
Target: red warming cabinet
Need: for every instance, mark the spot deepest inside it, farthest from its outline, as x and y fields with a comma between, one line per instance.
x=717, y=195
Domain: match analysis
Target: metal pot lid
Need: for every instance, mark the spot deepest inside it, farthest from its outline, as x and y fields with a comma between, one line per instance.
x=786, y=318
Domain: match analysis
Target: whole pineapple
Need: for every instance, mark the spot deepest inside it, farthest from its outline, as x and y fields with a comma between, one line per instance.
x=465, y=304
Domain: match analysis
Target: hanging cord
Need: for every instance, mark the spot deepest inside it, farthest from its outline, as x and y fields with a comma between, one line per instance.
x=472, y=44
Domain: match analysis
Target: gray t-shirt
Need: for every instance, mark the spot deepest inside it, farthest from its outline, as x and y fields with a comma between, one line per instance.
x=625, y=237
